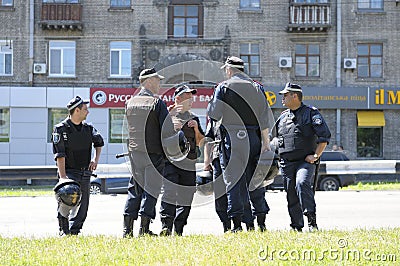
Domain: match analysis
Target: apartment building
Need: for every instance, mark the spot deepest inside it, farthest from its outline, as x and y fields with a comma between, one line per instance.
x=343, y=54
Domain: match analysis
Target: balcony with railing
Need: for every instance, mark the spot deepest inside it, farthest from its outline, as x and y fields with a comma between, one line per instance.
x=61, y=16
x=306, y=16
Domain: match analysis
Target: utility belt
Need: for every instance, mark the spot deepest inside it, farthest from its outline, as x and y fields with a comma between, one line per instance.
x=292, y=157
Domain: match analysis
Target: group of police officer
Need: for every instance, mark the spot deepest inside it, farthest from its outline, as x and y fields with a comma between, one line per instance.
x=164, y=144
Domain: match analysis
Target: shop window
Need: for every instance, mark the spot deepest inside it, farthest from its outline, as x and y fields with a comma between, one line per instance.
x=4, y=125
x=250, y=54
x=369, y=142
x=62, y=58
x=61, y=1
x=120, y=59
x=370, y=4
x=250, y=4
x=117, y=132
x=120, y=3
x=185, y=19
x=6, y=2
x=55, y=116
x=307, y=60
x=6, y=58
x=369, y=60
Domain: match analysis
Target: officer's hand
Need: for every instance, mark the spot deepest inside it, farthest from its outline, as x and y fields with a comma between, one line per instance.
x=265, y=147
x=193, y=123
x=310, y=159
x=207, y=168
x=92, y=166
x=175, y=109
x=177, y=123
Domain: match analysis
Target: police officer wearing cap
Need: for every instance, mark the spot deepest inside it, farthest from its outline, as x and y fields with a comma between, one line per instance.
x=73, y=139
x=180, y=177
x=148, y=123
x=240, y=105
x=302, y=137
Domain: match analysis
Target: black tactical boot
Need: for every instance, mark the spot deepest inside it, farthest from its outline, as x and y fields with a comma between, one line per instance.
x=128, y=226
x=312, y=222
x=250, y=226
x=237, y=224
x=166, y=229
x=63, y=224
x=227, y=226
x=178, y=229
x=261, y=222
x=144, y=227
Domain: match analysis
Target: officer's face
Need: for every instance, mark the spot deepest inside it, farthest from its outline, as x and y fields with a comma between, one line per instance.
x=288, y=99
x=186, y=99
x=83, y=112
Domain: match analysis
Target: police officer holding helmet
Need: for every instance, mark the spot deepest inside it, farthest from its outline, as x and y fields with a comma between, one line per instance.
x=302, y=137
x=241, y=107
x=73, y=139
x=180, y=177
x=149, y=127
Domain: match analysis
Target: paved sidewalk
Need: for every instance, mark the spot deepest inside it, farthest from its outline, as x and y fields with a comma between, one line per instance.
x=36, y=216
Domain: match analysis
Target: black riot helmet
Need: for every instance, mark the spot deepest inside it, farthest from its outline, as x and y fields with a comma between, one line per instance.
x=267, y=169
x=176, y=147
x=68, y=192
x=204, y=183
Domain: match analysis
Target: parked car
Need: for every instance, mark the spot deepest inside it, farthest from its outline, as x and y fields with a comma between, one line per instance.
x=114, y=178
x=326, y=182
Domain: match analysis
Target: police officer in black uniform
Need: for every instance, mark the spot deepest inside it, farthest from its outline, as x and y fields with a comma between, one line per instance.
x=180, y=177
x=302, y=136
x=148, y=123
x=212, y=158
x=72, y=147
x=242, y=108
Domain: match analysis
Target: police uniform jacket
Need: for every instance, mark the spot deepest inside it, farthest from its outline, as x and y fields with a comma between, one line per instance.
x=300, y=131
x=189, y=132
x=148, y=122
x=239, y=101
x=74, y=142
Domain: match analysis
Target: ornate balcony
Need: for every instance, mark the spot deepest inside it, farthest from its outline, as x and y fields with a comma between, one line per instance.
x=306, y=17
x=61, y=16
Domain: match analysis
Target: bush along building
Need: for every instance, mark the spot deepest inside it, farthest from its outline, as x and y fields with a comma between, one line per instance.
x=343, y=54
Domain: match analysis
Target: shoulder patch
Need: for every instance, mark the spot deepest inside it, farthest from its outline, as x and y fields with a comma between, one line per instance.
x=55, y=138
x=317, y=119
x=313, y=107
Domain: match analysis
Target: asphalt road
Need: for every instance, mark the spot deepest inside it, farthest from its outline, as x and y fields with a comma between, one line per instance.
x=345, y=210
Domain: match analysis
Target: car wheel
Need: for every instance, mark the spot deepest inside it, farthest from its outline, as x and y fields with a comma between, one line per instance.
x=329, y=184
x=95, y=189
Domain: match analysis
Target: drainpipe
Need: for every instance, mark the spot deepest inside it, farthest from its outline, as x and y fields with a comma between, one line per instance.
x=31, y=29
x=338, y=62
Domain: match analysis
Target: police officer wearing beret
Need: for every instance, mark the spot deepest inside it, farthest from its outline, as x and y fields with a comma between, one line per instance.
x=243, y=110
x=73, y=139
x=180, y=177
x=148, y=123
x=302, y=136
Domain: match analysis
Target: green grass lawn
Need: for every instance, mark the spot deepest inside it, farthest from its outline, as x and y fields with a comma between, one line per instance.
x=358, y=247
x=374, y=186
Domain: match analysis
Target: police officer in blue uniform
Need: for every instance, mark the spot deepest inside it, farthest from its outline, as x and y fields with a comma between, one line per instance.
x=302, y=137
x=73, y=139
x=148, y=123
x=180, y=177
x=240, y=105
x=212, y=157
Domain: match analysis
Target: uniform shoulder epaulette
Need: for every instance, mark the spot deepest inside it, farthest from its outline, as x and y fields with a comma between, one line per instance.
x=90, y=124
x=313, y=107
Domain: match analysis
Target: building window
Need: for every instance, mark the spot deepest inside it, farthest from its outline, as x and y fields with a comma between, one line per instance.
x=6, y=2
x=250, y=54
x=250, y=4
x=62, y=58
x=311, y=1
x=4, y=125
x=120, y=3
x=369, y=142
x=370, y=4
x=55, y=116
x=116, y=130
x=185, y=19
x=307, y=60
x=369, y=60
x=120, y=59
x=6, y=58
